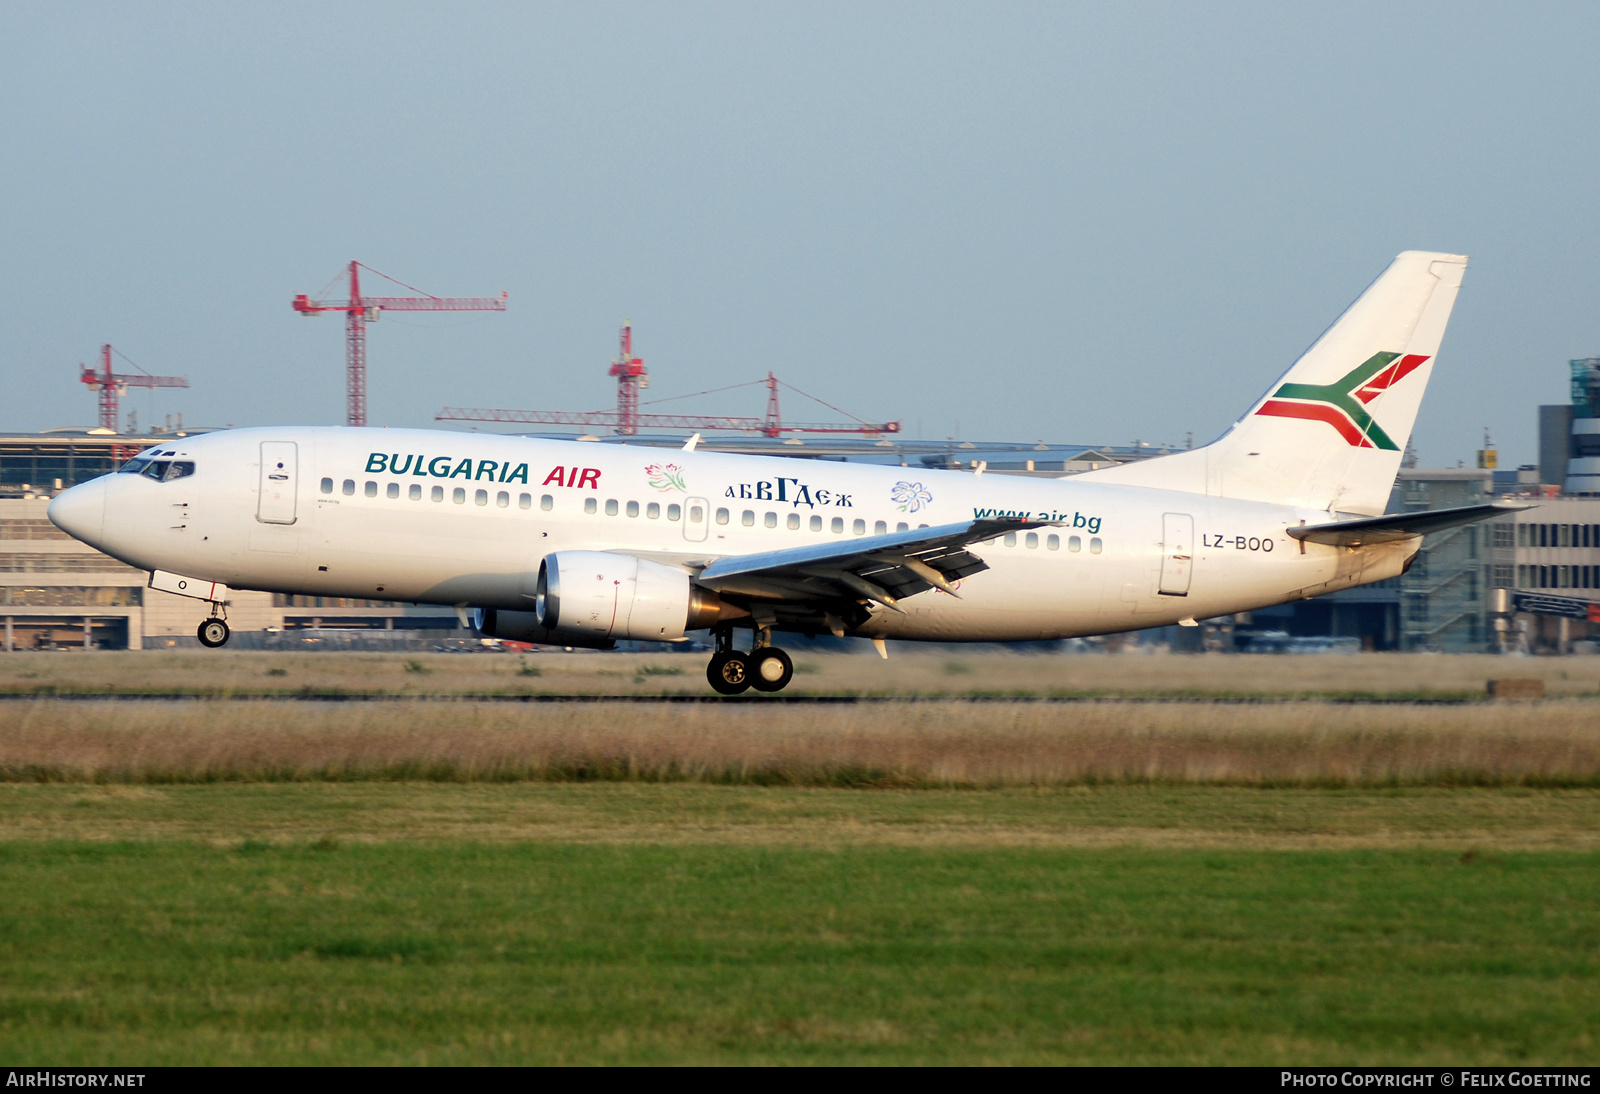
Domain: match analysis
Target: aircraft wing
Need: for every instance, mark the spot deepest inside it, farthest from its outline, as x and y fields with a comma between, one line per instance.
x=879, y=568
x=1385, y=529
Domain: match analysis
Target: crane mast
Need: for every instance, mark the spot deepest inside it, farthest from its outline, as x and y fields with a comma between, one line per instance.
x=112, y=385
x=360, y=310
x=631, y=376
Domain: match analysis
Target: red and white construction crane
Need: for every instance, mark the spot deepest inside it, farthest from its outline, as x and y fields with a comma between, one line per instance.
x=626, y=420
x=112, y=385
x=360, y=310
x=631, y=377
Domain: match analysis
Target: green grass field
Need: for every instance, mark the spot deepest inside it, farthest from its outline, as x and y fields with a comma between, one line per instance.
x=396, y=922
x=430, y=879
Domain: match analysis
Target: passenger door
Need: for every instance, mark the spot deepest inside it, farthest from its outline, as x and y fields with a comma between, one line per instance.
x=696, y=519
x=279, y=477
x=1177, y=553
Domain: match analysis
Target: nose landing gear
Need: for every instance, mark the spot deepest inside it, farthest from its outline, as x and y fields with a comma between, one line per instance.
x=213, y=632
x=765, y=668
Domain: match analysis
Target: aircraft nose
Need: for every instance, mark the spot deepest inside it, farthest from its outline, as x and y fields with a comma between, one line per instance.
x=81, y=511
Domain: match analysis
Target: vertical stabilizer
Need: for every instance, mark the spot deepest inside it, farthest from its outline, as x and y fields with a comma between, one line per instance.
x=1329, y=434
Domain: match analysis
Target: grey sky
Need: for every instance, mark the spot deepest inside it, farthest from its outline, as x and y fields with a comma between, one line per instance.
x=1065, y=222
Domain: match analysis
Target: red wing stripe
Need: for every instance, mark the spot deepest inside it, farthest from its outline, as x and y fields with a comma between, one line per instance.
x=1390, y=376
x=1317, y=412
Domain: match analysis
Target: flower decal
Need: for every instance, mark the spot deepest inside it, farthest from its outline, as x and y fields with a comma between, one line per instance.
x=666, y=476
x=909, y=497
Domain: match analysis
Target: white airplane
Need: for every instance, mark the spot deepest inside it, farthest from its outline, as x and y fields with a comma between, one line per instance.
x=582, y=544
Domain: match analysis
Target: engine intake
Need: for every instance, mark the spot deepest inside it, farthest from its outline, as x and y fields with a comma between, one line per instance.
x=596, y=594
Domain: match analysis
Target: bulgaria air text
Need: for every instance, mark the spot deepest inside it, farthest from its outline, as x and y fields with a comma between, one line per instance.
x=448, y=467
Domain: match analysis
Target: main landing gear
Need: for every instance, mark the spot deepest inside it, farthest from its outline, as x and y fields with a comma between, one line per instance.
x=765, y=668
x=214, y=632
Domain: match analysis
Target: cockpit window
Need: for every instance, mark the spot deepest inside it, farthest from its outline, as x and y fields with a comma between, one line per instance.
x=160, y=470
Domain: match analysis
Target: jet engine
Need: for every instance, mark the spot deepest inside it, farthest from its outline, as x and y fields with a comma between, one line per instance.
x=600, y=595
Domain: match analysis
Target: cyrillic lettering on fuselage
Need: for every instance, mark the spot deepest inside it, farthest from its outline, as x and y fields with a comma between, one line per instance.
x=792, y=491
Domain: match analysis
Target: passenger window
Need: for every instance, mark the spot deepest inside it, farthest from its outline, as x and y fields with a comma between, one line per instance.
x=438, y=493
x=880, y=529
x=415, y=493
x=1053, y=542
x=503, y=500
x=371, y=489
x=837, y=525
x=1032, y=540
x=722, y=516
x=1011, y=539
x=327, y=486
x=611, y=507
x=793, y=522
x=1094, y=545
x=394, y=490
x=902, y=527
x=590, y=506
x=525, y=501
x=674, y=512
x=770, y=520
x=653, y=511
x=480, y=497
x=747, y=518
x=546, y=502
x=349, y=487
x=459, y=495
x=633, y=508
x=1074, y=544
x=859, y=527
x=816, y=524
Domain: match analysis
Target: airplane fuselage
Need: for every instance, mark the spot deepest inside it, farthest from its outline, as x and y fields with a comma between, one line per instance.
x=465, y=519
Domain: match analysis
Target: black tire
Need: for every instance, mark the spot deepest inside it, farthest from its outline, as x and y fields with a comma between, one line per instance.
x=213, y=633
x=770, y=669
x=728, y=672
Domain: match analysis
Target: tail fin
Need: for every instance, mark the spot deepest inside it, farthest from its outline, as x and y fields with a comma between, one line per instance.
x=1331, y=432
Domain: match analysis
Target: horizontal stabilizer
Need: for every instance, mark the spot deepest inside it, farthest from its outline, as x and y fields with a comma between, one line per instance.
x=1386, y=529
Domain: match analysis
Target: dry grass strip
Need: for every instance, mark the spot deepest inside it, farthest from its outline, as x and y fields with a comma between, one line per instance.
x=910, y=671
x=927, y=744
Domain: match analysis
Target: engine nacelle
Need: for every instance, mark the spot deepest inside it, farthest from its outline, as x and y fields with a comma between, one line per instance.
x=596, y=594
x=525, y=627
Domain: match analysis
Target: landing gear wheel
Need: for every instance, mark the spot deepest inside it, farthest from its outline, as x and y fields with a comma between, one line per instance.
x=728, y=672
x=213, y=633
x=770, y=669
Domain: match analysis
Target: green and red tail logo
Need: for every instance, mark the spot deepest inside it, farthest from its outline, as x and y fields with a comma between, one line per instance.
x=1342, y=404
